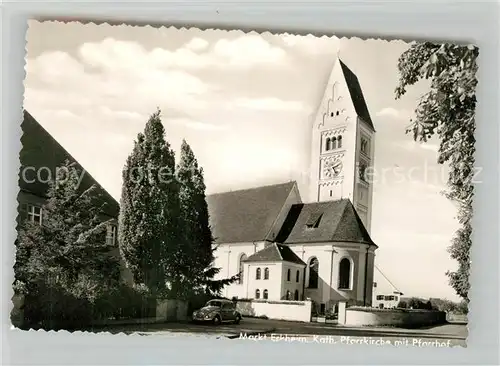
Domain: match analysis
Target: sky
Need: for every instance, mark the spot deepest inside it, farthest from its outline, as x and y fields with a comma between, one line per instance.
x=245, y=103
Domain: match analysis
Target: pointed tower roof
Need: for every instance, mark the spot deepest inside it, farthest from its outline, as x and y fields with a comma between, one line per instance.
x=357, y=97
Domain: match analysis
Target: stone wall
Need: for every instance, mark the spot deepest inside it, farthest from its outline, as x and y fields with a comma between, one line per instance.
x=403, y=318
x=171, y=310
x=282, y=310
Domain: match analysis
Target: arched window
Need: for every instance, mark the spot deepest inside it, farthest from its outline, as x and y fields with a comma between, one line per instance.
x=241, y=268
x=288, y=274
x=288, y=295
x=334, y=143
x=297, y=276
x=296, y=295
x=266, y=273
x=257, y=274
x=313, y=273
x=257, y=294
x=339, y=142
x=265, y=294
x=328, y=144
x=345, y=274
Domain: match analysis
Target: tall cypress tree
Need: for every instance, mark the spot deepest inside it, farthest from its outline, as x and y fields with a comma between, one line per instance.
x=149, y=209
x=197, y=255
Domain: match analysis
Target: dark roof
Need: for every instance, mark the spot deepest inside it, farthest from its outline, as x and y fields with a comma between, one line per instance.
x=40, y=149
x=357, y=97
x=275, y=253
x=246, y=215
x=338, y=222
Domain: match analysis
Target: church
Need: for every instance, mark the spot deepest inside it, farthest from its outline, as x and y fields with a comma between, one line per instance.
x=283, y=244
x=291, y=245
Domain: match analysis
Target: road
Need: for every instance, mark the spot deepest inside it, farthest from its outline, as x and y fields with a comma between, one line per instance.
x=266, y=329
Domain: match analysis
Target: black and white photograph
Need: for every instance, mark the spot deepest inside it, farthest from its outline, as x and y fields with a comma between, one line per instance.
x=272, y=187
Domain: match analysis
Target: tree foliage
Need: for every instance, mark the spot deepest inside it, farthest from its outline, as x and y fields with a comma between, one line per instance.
x=149, y=209
x=70, y=244
x=67, y=255
x=448, y=111
x=196, y=260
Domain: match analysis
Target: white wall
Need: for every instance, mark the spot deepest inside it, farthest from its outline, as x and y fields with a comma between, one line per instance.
x=283, y=310
x=329, y=258
x=292, y=285
x=272, y=285
x=344, y=124
x=227, y=257
x=384, y=288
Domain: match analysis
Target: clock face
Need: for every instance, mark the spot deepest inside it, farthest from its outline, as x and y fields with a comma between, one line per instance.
x=333, y=168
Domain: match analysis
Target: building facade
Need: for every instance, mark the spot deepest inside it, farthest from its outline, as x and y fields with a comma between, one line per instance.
x=40, y=157
x=328, y=234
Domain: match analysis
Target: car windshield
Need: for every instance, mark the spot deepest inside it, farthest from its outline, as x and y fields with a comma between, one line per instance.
x=214, y=303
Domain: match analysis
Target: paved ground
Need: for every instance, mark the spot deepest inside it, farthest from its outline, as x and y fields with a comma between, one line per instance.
x=455, y=334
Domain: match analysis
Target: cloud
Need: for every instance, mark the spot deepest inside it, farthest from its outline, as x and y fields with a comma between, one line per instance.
x=388, y=112
x=197, y=44
x=311, y=44
x=243, y=52
x=268, y=104
x=196, y=125
x=411, y=145
x=248, y=50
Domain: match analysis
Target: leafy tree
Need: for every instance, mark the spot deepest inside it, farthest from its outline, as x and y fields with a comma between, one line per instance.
x=195, y=262
x=67, y=253
x=149, y=209
x=448, y=111
x=402, y=304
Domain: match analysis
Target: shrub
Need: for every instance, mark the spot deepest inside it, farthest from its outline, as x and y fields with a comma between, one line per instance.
x=402, y=304
x=52, y=308
x=126, y=302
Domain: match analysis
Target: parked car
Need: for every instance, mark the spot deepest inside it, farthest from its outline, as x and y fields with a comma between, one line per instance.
x=218, y=311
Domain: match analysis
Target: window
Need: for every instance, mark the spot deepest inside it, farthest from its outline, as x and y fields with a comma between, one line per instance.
x=345, y=274
x=296, y=295
x=389, y=298
x=328, y=146
x=360, y=194
x=395, y=298
x=314, y=220
x=374, y=284
x=257, y=294
x=257, y=274
x=334, y=143
x=331, y=192
x=111, y=235
x=362, y=171
x=380, y=297
x=297, y=276
x=241, y=268
x=33, y=213
x=288, y=274
x=339, y=142
x=265, y=294
x=266, y=273
x=313, y=273
x=364, y=145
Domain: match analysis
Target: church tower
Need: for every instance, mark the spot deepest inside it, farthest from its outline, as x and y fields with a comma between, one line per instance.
x=343, y=141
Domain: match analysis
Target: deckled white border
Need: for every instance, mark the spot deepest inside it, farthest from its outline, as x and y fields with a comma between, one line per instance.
x=468, y=22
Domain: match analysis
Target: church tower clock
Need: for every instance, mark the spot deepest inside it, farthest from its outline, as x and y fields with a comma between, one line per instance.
x=342, y=146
